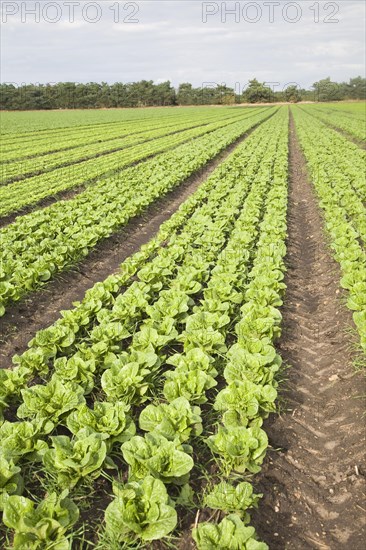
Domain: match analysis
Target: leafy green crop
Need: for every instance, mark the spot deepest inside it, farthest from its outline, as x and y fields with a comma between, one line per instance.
x=40, y=527
x=230, y=534
x=69, y=460
x=242, y=401
x=228, y=498
x=337, y=170
x=23, y=438
x=175, y=420
x=107, y=419
x=11, y=482
x=51, y=239
x=149, y=344
x=126, y=381
x=192, y=385
x=77, y=370
x=155, y=455
x=240, y=448
x=141, y=510
x=50, y=401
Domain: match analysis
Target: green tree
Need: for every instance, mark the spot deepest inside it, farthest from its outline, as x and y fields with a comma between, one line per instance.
x=292, y=94
x=225, y=95
x=186, y=94
x=257, y=92
x=356, y=88
x=164, y=94
x=326, y=90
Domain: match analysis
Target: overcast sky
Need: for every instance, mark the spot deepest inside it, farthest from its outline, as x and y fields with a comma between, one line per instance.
x=182, y=41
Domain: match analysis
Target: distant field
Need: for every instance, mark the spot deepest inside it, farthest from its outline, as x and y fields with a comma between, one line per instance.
x=30, y=121
x=160, y=270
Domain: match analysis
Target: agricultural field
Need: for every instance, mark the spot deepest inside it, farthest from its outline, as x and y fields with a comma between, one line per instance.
x=183, y=328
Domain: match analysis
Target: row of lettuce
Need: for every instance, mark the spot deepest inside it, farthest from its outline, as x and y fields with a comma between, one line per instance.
x=41, y=164
x=351, y=123
x=57, y=125
x=38, y=245
x=165, y=369
x=20, y=146
x=73, y=173
x=337, y=171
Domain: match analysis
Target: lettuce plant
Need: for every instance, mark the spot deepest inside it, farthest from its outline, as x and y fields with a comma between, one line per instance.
x=155, y=455
x=256, y=353
x=220, y=295
x=148, y=339
x=70, y=460
x=240, y=448
x=33, y=360
x=111, y=331
x=242, y=401
x=203, y=331
x=11, y=482
x=153, y=274
x=357, y=300
x=194, y=359
x=51, y=401
x=178, y=419
x=108, y=419
x=165, y=327
x=228, y=498
x=229, y=534
x=234, y=370
x=42, y=526
x=244, y=364
x=23, y=438
x=192, y=385
x=189, y=282
x=172, y=303
x=141, y=510
x=77, y=370
x=55, y=338
x=127, y=382
x=258, y=322
x=12, y=381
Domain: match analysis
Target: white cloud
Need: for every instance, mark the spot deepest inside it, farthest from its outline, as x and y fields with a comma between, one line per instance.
x=171, y=39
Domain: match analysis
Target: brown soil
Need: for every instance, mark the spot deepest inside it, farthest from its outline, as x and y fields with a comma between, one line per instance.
x=314, y=477
x=41, y=308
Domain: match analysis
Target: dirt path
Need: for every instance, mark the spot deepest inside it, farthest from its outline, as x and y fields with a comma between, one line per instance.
x=41, y=308
x=313, y=480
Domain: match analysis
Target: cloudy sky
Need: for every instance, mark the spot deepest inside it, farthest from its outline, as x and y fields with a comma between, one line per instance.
x=182, y=41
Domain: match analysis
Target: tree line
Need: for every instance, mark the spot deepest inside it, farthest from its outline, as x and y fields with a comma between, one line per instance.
x=71, y=95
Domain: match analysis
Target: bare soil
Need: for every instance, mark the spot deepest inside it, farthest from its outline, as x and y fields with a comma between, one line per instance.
x=313, y=480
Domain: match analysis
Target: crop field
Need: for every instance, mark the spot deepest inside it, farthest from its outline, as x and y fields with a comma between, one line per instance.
x=183, y=328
